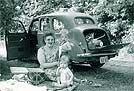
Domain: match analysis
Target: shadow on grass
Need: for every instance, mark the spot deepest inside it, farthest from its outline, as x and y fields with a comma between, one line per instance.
x=83, y=68
x=114, y=78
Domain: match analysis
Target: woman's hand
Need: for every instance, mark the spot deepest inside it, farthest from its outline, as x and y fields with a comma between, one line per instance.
x=49, y=65
x=56, y=63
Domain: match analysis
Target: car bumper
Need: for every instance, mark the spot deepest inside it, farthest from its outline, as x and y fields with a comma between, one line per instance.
x=96, y=55
x=89, y=57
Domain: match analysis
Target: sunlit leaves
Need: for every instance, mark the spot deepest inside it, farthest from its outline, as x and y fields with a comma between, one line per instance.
x=6, y=14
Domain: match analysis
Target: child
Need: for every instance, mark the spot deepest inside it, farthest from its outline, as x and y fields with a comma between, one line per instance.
x=65, y=78
x=64, y=75
x=64, y=44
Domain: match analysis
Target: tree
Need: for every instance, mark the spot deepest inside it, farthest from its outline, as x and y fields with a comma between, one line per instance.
x=115, y=12
x=6, y=14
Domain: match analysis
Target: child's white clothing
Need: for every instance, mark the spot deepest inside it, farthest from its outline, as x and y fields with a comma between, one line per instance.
x=66, y=76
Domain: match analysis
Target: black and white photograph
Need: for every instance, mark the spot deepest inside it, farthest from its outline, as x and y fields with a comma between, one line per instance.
x=66, y=45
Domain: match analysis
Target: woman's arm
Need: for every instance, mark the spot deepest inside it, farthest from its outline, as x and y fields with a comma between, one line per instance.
x=48, y=65
x=42, y=60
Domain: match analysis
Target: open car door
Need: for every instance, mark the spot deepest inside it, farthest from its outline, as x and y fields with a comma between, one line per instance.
x=17, y=41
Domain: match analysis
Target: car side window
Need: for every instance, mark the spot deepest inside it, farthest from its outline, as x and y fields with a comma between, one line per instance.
x=45, y=24
x=57, y=25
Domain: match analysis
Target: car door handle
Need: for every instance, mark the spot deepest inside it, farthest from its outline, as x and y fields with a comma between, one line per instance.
x=21, y=39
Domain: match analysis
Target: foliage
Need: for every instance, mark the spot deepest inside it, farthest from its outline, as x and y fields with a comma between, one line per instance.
x=6, y=14
x=114, y=15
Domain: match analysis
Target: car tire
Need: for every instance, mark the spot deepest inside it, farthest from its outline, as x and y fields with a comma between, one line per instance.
x=96, y=64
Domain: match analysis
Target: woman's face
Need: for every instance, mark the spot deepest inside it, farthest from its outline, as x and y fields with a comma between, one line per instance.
x=49, y=41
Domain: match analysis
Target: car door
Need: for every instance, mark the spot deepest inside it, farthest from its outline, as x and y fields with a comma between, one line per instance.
x=17, y=41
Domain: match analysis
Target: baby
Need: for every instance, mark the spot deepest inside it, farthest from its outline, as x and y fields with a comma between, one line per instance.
x=65, y=78
x=64, y=74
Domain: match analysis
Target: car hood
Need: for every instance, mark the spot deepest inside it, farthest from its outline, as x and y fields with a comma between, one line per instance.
x=88, y=27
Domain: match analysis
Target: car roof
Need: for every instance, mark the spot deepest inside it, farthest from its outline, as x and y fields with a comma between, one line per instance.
x=67, y=17
x=67, y=14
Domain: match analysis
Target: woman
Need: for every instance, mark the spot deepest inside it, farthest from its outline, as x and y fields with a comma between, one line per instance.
x=48, y=56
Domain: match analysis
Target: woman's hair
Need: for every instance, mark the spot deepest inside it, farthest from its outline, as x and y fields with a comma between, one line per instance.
x=46, y=35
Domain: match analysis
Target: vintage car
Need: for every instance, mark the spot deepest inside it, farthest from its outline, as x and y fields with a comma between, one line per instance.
x=81, y=28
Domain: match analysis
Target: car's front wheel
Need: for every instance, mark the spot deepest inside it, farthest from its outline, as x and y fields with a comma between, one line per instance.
x=96, y=64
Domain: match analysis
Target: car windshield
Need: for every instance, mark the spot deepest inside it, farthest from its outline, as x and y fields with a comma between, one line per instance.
x=83, y=20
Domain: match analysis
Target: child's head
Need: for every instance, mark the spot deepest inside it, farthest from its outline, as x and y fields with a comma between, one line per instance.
x=64, y=61
x=64, y=34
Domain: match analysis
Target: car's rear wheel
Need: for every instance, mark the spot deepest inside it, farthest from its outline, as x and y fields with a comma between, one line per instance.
x=96, y=64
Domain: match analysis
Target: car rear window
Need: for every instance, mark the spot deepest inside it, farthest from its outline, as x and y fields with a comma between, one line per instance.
x=83, y=20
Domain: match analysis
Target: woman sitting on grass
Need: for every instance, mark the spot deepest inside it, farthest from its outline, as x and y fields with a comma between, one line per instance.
x=48, y=57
